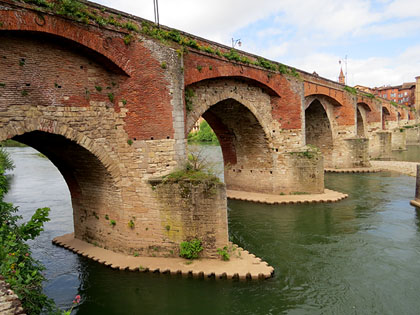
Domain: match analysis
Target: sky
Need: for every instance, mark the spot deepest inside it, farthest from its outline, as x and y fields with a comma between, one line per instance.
x=378, y=41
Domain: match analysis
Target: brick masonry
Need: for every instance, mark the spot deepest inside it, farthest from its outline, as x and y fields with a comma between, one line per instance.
x=111, y=116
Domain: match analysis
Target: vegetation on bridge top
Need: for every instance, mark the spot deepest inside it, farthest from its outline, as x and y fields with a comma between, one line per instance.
x=82, y=13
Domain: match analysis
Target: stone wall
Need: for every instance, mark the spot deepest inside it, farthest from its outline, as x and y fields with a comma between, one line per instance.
x=306, y=169
x=191, y=209
x=9, y=301
x=380, y=145
x=413, y=135
x=357, y=153
x=398, y=139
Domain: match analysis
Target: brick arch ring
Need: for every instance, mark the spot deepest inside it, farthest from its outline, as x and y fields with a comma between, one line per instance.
x=201, y=107
x=53, y=127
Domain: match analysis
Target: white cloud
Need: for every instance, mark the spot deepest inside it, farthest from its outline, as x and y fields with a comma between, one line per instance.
x=215, y=20
x=373, y=71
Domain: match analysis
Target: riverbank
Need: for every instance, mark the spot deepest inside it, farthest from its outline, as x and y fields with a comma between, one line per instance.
x=9, y=301
x=241, y=265
x=402, y=167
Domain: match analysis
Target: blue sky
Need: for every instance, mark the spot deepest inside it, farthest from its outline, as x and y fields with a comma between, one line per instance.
x=381, y=38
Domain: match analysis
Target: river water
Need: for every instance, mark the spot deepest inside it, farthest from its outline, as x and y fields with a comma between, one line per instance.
x=357, y=256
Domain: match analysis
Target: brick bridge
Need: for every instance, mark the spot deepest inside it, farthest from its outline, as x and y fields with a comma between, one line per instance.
x=110, y=99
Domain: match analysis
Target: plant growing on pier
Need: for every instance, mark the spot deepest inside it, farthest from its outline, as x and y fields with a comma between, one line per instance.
x=224, y=253
x=190, y=249
x=131, y=224
x=111, y=97
x=112, y=222
x=163, y=65
x=196, y=169
x=98, y=88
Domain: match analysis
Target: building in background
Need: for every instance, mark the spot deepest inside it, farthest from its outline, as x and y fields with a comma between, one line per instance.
x=402, y=94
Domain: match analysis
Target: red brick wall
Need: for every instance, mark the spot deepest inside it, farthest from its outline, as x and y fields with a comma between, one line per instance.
x=142, y=82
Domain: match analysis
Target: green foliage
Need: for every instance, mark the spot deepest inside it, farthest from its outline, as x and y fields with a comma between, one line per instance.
x=24, y=93
x=131, y=224
x=2, y=85
x=224, y=253
x=369, y=95
x=71, y=8
x=189, y=94
x=350, y=89
x=127, y=39
x=266, y=64
x=98, y=88
x=6, y=162
x=123, y=101
x=40, y=3
x=12, y=143
x=136, y=254
x=129, y=142
x=20, y=270
x=199, y=68
x=163, y=65
x=190, y=249
x=111, y=97
x=106, y=217
x=205, y=134
x=112, y=222
x=21, y=62
x=131, y=27
x=197, y=169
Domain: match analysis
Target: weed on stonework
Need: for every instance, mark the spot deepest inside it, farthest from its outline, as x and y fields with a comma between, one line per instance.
x=196, y=169
x=190, y=249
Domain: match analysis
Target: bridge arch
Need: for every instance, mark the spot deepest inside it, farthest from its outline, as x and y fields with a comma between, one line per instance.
x=237, y=111
x=318, y=128
x=386, y=115
x=362, y=118
x=91, y=175
x=247, y=92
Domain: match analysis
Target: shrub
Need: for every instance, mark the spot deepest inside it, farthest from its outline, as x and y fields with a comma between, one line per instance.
x=190, y=249
x=224, y=254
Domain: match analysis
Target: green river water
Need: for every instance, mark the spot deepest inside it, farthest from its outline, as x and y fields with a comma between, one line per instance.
x=358, y=256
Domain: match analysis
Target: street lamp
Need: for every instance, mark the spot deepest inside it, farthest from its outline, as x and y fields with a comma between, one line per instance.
x=156, y=7
x=236, y=42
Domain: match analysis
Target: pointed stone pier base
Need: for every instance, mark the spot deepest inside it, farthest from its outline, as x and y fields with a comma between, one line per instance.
x=327, y=196
x=242, y=265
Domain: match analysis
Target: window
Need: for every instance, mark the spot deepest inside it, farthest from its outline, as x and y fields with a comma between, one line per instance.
x=400, y=95
x=405, y=93
x=393, y=94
